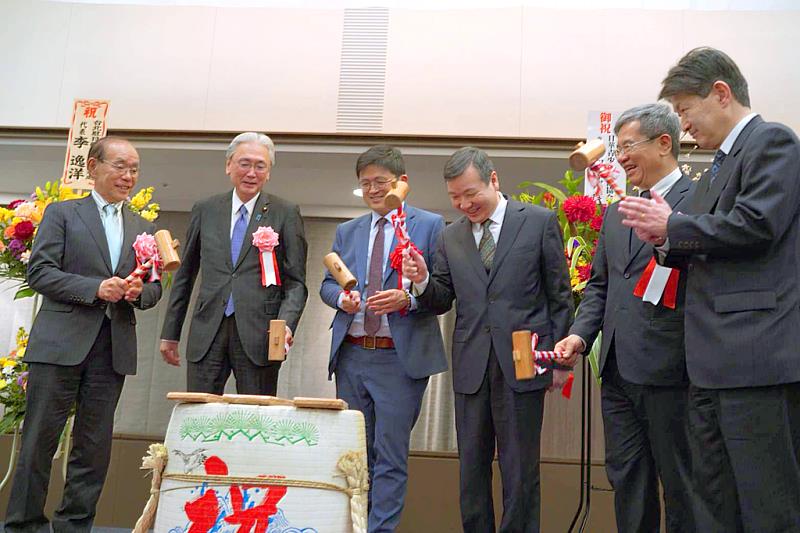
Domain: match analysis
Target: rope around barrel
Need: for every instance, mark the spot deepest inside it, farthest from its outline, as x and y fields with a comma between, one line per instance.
x=353, y=466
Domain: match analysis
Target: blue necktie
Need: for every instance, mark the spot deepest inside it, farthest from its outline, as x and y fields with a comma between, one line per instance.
x=719, y=157
x=113, y=228
x=236, y=246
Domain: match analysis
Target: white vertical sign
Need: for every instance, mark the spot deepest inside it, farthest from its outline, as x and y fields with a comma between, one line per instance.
x=601, y=125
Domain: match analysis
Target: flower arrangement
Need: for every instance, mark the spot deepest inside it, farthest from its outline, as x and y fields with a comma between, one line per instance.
x=20, y=220
x=13, y=383
x=580, y=218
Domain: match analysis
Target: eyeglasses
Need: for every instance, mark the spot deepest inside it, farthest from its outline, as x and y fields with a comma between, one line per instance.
x=122, y=168
x=379, y=183
x=246, y=165
x=628, y=148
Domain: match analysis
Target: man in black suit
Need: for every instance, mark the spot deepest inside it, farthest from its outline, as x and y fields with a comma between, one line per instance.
x=83, y=340
x=229, y=328
x=644, y=392
x=738, y=240
x=503, y=262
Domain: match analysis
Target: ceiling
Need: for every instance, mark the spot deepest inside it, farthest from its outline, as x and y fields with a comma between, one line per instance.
x=314, y=172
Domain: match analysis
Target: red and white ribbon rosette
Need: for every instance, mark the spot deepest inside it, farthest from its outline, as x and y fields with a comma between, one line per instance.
x=549, y=355
x=658, y=281
x=403, y=243
x=266, y=240
x=147, y=258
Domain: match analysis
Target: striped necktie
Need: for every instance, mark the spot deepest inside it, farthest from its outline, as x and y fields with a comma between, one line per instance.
x=487, y=245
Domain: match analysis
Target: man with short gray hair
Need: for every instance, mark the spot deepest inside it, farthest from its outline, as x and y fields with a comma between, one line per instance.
x=230, y=325
x=503, y=261
x=644, y=392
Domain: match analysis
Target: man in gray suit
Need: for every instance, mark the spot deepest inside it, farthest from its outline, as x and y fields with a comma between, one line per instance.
x=83, y=340
x=738, y=239
x=229, y=328
x=503, y=262
x=645, y=387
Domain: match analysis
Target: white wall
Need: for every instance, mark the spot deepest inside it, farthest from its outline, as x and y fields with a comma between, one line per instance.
x=513, y=71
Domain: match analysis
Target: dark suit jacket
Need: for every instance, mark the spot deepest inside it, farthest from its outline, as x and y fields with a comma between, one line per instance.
x=69, y=260
x=527, y=288
x=648, y=338
x=208, y=249
x=416, y=335
x=739, y=241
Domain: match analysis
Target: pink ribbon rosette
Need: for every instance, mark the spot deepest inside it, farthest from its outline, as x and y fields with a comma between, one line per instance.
x=147, y=258
x=266, y=239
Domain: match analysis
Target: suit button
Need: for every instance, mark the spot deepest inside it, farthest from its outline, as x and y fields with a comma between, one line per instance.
x=487, y=329
x=626, y=275
x=234, y=275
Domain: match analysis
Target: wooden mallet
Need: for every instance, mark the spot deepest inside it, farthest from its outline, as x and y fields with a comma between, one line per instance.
x=277, y=340
x=167, y=250
x=339, y=271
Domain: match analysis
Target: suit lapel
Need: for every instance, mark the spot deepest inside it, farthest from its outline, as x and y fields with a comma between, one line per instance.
x=362, y=246
x=466, y=241
x=128, y=236
x=88, y=212
x=224, y=226
x=512, y=222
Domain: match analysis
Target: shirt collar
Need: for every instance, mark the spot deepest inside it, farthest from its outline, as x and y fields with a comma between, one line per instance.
x=237, y=203
x=101, y=202
x=727, y=144
x=387, y=216
x=499, y=211
x=666, y=183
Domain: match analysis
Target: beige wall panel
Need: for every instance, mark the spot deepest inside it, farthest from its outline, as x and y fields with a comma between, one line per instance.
x=453, y=72
x=151, y=63
x=32, y=41
x=577, y=61
x=275, y=70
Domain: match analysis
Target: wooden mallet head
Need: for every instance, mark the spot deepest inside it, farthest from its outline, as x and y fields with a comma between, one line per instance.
x=394, y=198
x=167, y=250
x=339, y=271
x=586, y=154
x=522, y=353
x=277, y=340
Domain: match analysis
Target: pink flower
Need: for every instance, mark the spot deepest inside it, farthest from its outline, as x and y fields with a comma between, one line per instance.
x=145, y=247
x=584, y=272
x=265, y=239
x=579, y=208
x=597, y=222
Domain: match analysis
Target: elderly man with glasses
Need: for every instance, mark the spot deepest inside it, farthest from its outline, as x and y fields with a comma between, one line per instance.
x=383, y=348
x=230, y=325
x=83, y=340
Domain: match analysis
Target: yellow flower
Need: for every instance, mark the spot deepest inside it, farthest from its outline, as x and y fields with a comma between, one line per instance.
x=21, y=351
x=154, y=207
x=6, y=214
x=3, y=384
x=149, y=215
x=8, y=362
x=138, y=201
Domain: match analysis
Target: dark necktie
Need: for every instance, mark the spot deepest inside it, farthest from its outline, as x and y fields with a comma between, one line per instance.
x=719, y=157
x=237, y=238
x=372, y=322
x=487, y=245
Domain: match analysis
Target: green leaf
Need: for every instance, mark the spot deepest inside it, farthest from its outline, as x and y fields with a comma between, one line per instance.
x=594, y=357
x=24, y=292
x=555, y=191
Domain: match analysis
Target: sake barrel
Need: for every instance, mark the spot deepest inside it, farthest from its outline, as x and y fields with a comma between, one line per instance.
x=234, y=466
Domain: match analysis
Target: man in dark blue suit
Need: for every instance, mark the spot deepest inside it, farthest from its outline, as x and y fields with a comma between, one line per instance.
x=383, y=348
x=738, y=240
x=645, y=387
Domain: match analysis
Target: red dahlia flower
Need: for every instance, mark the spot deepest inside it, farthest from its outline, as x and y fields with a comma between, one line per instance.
x=579, y=208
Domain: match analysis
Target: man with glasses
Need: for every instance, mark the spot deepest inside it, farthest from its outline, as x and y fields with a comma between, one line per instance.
x=230, y=325
x=738, y=241
x=383, y=348
x=83, y=340
x=644, y=392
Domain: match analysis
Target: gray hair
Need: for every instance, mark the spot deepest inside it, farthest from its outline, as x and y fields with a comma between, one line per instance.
x=465, y=157
x=252, y=137
x=654, y=120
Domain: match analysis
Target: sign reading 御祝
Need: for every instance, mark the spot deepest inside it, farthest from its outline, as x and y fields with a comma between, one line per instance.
x=89, y=122
x=601, y=125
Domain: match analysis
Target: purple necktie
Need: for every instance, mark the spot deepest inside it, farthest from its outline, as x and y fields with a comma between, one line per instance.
x=237, y=238
x=372, y=322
